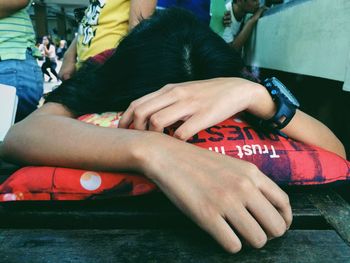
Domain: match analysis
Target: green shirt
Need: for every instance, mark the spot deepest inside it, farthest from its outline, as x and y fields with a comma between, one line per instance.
x=16, y=35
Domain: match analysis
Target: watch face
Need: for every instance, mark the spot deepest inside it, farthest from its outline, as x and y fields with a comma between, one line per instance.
x=279, y=87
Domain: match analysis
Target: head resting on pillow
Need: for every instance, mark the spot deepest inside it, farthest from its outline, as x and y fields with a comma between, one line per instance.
x=171, y=46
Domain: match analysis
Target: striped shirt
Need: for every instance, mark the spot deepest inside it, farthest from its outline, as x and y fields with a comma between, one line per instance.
x=16, y=35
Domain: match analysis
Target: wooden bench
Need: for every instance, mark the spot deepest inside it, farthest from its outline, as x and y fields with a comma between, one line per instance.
x=150, y=229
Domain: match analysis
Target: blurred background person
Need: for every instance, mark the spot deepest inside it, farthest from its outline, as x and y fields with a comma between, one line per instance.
x=48, y=51
x=61, y=49
x=104, y=24
x=241, y=28
x=18, y=66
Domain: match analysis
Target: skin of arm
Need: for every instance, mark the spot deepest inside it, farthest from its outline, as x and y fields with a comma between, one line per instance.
x=46, y=51
x=69, y=60
x=247, y=30
x=7, y=8
x=201, y=104
x=77, y=153
x=223, y=195
x=49, y=51
x=302, y=127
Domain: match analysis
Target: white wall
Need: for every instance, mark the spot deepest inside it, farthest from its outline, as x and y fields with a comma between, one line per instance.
x=311, y=38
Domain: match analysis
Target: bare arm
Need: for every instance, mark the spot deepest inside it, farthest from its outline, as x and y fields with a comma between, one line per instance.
x=140, y=9
x=74, y=146
x=7, y=7
x=223, y=195
x=247, y=30
x=201, y=104
x=302, y=127
x=50, y=51
x=69, y=60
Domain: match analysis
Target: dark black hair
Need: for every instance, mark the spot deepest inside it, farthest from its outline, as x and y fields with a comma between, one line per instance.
x=48, y=39
x=172, y=46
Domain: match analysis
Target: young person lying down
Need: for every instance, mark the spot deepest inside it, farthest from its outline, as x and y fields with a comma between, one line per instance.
x=170, y=68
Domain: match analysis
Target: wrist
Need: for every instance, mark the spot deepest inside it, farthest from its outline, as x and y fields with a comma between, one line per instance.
x=261, y=104
x=253, y=20
x=145, y=153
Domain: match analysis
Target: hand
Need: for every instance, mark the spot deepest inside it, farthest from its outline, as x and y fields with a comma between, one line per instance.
x=67, y=69
x=199, y=104
x=226, y=20
x=223, y=195
x=259, y=13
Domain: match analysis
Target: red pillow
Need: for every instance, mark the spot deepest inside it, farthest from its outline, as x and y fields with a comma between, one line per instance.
x=53, y=183
x=285, y=161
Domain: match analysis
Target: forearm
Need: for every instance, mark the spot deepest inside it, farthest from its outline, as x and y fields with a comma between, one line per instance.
x=244, y=35
x=50, y=51
x=7, y=7
x=302, y=127
x=71, y=53
x=307, y=129
x=57, y=140
x=69, y=60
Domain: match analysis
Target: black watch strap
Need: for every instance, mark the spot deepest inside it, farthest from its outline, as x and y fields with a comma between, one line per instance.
x=282, y=117
x=286, y=104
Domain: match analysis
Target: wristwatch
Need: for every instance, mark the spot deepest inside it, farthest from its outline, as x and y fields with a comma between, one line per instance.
x=285, y=101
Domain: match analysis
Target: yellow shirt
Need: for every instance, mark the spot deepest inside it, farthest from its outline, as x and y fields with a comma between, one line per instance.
x=104, y=24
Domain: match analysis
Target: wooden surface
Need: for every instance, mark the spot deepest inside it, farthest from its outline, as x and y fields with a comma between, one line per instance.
x=335, y=210
x=159, y=245
x=151, y=211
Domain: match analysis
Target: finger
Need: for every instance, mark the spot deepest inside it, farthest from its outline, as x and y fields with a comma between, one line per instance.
x=227, y=21
x=159, y=106
x=126, y=119
x=274, y=194
x=128, y=116
x=278, y=198
x=247, y=226
x=266, y=215
x=192, y=126
x=221, y=231
x=168, y=116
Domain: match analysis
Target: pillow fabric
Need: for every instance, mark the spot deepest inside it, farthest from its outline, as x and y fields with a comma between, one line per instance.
x=54, y=183
x=285, y=161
